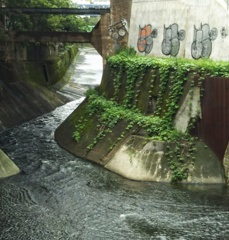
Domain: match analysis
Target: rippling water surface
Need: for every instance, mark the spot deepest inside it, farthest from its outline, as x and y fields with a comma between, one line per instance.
x=59, y=196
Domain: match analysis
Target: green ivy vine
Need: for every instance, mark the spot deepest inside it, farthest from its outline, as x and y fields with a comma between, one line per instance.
x=173, y=74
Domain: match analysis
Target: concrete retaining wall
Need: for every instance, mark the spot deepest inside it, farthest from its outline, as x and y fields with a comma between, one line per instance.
x=131, y=153
x=25, y=91
x=139, y=159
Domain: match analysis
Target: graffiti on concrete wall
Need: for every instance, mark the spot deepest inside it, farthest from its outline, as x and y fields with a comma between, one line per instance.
x=118, y=30
x=224, y=32
x=201, y=46
x=202, y=41
x=145, y=38
x=171, y=42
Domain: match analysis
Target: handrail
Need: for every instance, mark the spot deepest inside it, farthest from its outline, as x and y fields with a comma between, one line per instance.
x=77, y=11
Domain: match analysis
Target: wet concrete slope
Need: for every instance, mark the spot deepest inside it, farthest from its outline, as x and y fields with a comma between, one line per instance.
x=26, y=89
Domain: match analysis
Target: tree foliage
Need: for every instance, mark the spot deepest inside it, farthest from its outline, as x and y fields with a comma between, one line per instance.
x=46, y=22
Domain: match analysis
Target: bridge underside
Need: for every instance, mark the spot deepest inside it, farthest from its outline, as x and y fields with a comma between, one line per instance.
x=70, y=37
x=98, y=37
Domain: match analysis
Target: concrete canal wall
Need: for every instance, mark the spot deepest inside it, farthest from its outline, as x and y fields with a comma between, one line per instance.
x=26, y=88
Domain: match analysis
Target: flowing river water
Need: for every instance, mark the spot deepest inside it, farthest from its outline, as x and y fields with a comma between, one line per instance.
x=59, y=196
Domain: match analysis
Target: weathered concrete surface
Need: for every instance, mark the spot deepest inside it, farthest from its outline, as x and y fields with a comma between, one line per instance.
x=21, y=102
x=125, y=20
x=7, y=166
x=190, y=108
x=141, y=159
x=206, y=168
x=111, y=32
x=120, y=11
x=136, y=157
x=99, y=153
x=188, y=15
x=25, y=89
x=100, y=38
x=226, y=164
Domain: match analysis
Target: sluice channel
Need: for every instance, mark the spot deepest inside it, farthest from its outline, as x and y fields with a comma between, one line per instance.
x=59, y=196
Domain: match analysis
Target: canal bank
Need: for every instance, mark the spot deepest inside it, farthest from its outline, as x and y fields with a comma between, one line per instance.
x=72, y=86
x=26, y=87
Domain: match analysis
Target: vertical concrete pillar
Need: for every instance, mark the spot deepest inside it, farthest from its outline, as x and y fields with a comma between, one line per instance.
x=120, y=22
x=111, y=32
x=119, y=10
x=100, y=38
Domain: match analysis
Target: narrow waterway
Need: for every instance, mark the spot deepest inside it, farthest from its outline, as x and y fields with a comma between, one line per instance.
x=59, y=196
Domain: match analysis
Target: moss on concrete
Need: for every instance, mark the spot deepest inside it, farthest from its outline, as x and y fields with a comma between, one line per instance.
x=143, y=88
x=103, y=149
x=7, y=166
x=142, y=159
x=26, y=88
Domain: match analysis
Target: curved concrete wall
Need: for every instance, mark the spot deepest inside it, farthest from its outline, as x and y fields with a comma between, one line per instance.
x=183, y=28
x=25, y=88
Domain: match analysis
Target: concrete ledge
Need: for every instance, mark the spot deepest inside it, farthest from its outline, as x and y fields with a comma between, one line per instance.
x=7, y=167
x=145, y=160
x=140, y=160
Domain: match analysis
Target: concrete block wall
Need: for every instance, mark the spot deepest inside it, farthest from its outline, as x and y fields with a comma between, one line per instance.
x=183, y=28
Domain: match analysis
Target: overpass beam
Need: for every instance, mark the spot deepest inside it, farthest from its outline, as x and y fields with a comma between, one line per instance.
x=70, y=37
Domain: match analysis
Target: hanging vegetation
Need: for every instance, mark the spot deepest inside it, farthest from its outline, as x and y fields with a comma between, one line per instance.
x=128, y=72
